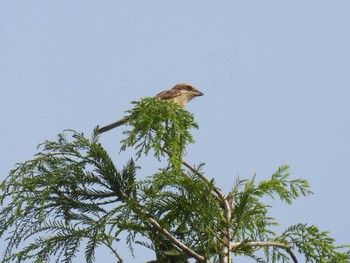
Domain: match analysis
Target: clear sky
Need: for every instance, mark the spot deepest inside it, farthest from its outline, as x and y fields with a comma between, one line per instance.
x=275, y=74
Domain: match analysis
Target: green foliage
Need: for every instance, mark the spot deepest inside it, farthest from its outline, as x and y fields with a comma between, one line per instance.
x=314, y=244
x=249, y=214
x=61, y=197
x=71, y=196
x=185, y=205
x=250, y=221
x=161, y=126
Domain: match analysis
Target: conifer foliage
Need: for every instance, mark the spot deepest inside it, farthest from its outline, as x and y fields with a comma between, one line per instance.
x=72, y=196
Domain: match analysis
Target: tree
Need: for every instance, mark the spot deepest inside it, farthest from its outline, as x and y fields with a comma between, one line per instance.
x=71, y=194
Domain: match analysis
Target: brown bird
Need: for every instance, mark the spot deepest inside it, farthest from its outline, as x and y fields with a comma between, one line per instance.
x=181, y=94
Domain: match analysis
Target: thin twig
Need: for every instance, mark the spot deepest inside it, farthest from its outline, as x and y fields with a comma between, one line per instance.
x=193, y=170
x=292, y=255
x=120, y=260
x=235, y=245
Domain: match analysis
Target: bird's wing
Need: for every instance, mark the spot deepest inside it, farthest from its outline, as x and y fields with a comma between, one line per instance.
x=168, y=94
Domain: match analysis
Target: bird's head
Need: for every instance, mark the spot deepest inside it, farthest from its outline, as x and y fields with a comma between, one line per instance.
x=187, y=90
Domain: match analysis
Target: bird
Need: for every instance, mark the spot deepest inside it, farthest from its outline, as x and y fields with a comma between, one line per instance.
x=180, y=94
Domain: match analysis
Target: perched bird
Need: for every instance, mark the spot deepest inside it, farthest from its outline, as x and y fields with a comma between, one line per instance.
x=181, y=94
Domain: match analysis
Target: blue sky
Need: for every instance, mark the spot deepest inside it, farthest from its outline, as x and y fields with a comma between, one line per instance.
x=275, y=75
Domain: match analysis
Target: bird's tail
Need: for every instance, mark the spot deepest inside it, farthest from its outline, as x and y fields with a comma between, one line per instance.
x=112, y=125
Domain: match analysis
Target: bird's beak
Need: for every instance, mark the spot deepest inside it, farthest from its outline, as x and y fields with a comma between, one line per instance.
x=199, y=93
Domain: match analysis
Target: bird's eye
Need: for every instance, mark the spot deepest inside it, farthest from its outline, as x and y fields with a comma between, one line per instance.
x=189, y=87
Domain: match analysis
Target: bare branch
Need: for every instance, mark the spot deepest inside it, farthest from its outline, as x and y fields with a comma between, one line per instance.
x=171, y=238
x=235, y=245
x=176, y=242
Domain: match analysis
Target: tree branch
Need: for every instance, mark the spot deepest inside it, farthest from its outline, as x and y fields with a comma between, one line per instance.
x=171, y=238
x=114, y=251
x=235, y=245
x=175, y=241
x=193, y=170
x=225, y=247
